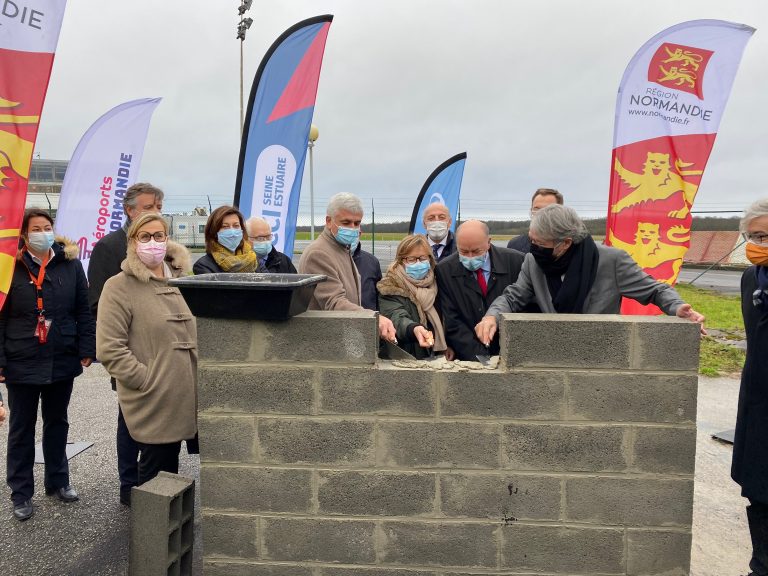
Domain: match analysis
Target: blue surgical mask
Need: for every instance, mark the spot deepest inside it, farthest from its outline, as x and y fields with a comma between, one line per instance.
x=262, y=248
x=230, y=238
x=40, y=241
x=348, y=236
x=418, y=271
x=472, y=264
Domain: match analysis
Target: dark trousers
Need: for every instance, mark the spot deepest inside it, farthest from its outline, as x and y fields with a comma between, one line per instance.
x=757, y=516
x=23, y=401
x=127, y=456
x=158, y=457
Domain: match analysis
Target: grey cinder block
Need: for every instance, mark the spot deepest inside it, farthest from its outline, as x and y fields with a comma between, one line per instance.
x=252, y=390
x=306, y=539
x=630, y=501
x=376, y=493
x=255, y=489
x=505, y=498
x=562, y=549
x=564, y=448
x=665, y=450
x=316, y=441
x=656, y=552
x=532, y=395
x=665, y=343
x=227, y=438
x=220, y=340
x=439, y=544
x=617, y=396
x=376, y=391
x=162, y=526
x=219, y=568
x=438, y=445
x=565, y=341
x=229, y=535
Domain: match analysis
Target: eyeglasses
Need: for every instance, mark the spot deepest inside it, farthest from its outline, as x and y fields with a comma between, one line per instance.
x=267, y=238
x=145, y=237
x=756, y=238
x=414, y=259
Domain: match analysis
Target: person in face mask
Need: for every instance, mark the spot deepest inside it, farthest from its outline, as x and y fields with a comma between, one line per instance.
x=227, y=248
x=437, y=222
x=542, y=197
x=749, y=467
x=331, y=255
x=47, y=336
x=468, y=281
x=270, y=260
x=567, y=273
x=146, y=338
x=407, y=296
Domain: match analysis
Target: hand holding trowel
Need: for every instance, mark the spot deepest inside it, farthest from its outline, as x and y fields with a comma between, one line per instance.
x=485, y=331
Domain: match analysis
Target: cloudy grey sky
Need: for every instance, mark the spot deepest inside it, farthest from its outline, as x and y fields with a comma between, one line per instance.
x=526, y=88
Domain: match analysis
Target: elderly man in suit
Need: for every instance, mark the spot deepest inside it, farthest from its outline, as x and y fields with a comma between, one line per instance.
x=467, y=282
x=567, y=273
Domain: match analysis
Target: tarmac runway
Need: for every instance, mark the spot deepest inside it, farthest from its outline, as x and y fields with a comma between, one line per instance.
x=90, y=537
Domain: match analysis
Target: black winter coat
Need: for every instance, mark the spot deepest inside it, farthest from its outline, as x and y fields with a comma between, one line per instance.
x=106, y=258
x=369, y=268
x=750, y=446
x=462, y=304
x=449, y=248
x=72, y=334
x=277, y=263
x=522, y=243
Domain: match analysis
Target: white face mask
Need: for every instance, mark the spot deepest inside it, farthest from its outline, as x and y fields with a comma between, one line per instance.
x=437, y=230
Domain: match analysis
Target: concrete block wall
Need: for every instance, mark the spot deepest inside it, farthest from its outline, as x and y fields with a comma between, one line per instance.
x=575, y=456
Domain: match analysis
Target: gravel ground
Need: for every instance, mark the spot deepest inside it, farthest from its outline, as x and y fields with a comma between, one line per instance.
x=90, y=537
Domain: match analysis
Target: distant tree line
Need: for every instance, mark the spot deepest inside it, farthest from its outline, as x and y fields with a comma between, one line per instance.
x=596, y=226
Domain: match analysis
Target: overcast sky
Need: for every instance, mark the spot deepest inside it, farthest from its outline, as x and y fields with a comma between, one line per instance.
x=526, y=88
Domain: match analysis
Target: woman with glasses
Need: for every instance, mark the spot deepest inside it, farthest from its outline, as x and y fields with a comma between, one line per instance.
x=147, y=340
x=407, y=295
x=46, y=338
x=750, y=446
x=227, y=248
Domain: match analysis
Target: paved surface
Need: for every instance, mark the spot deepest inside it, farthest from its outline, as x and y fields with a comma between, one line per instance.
x=90, y=537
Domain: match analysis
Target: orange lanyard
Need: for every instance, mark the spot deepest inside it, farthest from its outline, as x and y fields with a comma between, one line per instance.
x=38, y=282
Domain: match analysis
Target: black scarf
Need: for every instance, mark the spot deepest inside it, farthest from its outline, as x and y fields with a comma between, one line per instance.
x=579, y=264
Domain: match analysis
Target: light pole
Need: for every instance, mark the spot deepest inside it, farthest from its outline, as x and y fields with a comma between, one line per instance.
x=313, y=135
x=242, y=26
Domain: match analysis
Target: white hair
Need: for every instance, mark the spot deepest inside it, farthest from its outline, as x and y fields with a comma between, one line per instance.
x=344, y=201
x=754, y=210
x=255, y=220
x=557, y=223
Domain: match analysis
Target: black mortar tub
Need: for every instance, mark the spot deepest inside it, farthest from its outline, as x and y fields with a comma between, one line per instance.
x=248, y=296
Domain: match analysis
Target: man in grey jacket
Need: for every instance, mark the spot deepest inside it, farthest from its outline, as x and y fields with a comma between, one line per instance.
x=567, y=273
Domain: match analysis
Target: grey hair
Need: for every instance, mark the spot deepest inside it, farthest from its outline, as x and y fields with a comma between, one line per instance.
x=557, y=223
x=344, y=201
x=754, y=210
x=254, y=220
x=141, y=188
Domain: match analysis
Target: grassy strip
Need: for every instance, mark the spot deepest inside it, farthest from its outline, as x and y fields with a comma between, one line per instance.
x=723, y=313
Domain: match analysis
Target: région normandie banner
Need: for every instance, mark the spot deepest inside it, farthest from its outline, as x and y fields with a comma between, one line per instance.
x=29, y=32
x=668, y=110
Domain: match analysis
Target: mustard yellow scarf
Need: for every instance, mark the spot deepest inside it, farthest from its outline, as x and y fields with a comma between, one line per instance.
x=243, y=260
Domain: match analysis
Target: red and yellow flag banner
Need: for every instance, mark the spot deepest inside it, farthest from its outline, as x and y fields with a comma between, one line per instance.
x=29, y=32
x=670, y=102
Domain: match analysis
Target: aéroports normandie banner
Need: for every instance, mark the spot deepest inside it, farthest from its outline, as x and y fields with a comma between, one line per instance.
x=29, y=32
x=668, y=110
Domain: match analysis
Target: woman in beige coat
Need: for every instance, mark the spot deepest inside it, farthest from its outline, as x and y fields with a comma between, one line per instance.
x=146, y=338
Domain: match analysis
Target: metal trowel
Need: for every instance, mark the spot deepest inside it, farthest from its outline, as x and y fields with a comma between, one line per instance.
x=395, y=352
x=484, y=359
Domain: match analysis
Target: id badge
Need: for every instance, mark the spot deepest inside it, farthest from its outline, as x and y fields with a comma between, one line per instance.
x=42, y=328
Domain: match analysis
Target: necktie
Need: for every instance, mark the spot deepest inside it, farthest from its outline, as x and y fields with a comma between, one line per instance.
x=481, y=281
x=435, y=250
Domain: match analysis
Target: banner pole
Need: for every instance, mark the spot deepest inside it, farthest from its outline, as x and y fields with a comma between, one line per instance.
x=373, y=228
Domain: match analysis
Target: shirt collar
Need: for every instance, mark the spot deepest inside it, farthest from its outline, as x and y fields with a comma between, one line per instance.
x=486, y=267
x=37, y=260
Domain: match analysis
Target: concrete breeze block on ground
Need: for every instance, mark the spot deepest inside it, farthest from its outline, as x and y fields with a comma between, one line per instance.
x=575, y=456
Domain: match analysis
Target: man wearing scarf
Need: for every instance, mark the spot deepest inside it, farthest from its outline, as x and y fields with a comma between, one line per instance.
x=567, y=273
